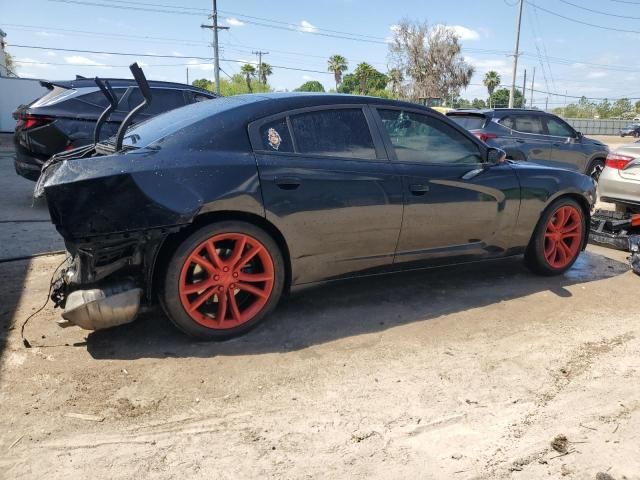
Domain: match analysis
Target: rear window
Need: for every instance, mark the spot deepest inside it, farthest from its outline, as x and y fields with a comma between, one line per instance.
x=97, y=98
x=470, y=122
x=334, y=133
x=162, y=100
x=51, y=96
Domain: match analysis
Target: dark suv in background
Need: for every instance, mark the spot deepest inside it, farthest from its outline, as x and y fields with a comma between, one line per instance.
x=65, y=117
x=535, y=136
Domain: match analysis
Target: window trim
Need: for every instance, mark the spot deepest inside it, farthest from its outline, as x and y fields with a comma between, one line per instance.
x=256, y=141
x=482, y=148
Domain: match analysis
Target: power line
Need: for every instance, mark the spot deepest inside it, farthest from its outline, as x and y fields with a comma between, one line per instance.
x=602, y=27
x=153, y=55
x=600, y=12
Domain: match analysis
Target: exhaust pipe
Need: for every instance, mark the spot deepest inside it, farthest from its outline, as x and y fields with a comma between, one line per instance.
x=98, y=308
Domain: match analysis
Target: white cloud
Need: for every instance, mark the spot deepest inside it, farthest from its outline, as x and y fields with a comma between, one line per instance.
x=30, y=62
x=177, y=53
x=199, y=65
x=463, y=33
x=49, y=53
x=482, y=65
x=308, y=78
x=307, y=27
x=234, y=22
x=48, y=34
x=80, y=60
x=597, y=74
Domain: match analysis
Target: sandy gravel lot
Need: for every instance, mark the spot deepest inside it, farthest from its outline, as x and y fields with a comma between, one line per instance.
x=468, y=372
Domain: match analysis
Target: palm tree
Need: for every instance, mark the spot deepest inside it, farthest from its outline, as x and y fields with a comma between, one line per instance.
x=249, y=71
x=396, y=78
x=362, y=72
x=265, y=71
x=491, y=81
x=337, y=64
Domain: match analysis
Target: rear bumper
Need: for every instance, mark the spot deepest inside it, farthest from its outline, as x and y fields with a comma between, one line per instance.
x=27, y=164
x=612, y=187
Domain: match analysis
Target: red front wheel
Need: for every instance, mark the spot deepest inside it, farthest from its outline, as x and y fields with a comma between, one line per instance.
x=558, y=238
x=222, y=280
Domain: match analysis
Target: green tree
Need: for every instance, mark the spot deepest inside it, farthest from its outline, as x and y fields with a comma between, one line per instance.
x=637, y=105
x=337, y=64
x=249, y=72
x=310, y=86
x=265, y=70
x=491, y=81
x=375, y=82
x=478, y=103
x=620, y=106
x=500, y=98
x=362, y=72
x=604, y=109
x=204, y=83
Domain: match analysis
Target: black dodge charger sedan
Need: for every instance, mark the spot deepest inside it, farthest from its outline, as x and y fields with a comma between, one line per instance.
x=217, y=208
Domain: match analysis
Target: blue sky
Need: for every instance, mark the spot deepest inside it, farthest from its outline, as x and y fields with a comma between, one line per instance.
x=569, y=57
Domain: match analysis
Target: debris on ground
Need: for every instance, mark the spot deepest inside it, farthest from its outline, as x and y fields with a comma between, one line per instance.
x=604, y=476
x=84, y=416
x=560, y=444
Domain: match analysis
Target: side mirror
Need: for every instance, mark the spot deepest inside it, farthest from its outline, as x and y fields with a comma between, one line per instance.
x=496, y=156
x=579, y=135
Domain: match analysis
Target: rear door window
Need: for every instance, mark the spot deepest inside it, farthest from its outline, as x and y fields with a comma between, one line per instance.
x=98, y=99
x=525, y=124
x=162, y=100
x=470, y=122
x=275, y=137
x=335, y=133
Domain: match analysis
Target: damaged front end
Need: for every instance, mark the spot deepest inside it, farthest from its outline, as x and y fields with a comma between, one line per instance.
x=617, y=230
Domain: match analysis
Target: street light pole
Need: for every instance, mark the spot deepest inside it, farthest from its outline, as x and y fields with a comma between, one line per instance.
x=516, y=53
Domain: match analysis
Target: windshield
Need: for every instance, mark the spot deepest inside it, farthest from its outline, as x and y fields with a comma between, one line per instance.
x=168, y=123
x=470, y=122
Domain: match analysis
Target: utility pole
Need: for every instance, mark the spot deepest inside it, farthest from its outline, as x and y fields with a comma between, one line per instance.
x=187, y=75
x=524, y=88
x=533, y=80
x=259, y=53
x=216, y=57
x=546, y=105
x=516, y=53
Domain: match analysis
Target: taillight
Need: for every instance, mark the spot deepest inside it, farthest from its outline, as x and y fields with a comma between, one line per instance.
x=617, y=161
x=485, y=136
x=31, y=121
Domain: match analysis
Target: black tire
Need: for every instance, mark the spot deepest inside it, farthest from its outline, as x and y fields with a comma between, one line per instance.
x=595, y=168
x=535, y=254
x=170, y=292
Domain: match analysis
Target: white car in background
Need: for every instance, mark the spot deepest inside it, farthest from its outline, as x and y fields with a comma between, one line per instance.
x=619, y=182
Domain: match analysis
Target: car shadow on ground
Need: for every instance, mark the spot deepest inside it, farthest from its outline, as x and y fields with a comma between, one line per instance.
x=355, y=307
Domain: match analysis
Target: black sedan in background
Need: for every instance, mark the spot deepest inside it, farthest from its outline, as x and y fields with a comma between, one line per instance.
x=632, y=130
x=216, y=209
x=65, y=117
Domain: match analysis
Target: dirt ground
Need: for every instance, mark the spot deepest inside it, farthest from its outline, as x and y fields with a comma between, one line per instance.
x=482, y=371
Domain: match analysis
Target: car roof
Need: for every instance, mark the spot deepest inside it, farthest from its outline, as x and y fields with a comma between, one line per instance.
x=121, y=82
x=291, y=100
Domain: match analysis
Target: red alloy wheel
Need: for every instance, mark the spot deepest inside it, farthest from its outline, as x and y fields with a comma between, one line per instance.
x=226, y=280
x=563, y=237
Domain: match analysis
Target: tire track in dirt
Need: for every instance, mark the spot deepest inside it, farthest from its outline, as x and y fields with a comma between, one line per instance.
x=578, y=363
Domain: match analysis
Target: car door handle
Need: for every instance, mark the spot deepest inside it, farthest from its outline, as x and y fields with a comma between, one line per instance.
x=519, y=140
x=288, y=183
x=419, y=188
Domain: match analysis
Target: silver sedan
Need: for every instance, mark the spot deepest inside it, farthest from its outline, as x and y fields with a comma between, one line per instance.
x=619, y=182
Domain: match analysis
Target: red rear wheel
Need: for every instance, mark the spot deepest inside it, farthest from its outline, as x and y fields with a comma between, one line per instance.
x=558, y=238
x=226, y=280
x=222, y=280
x=563, y=236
